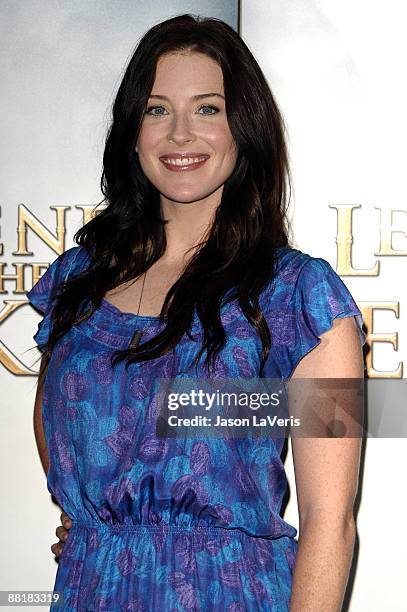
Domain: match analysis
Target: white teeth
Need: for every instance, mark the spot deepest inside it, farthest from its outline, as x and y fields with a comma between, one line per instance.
x=183, y=161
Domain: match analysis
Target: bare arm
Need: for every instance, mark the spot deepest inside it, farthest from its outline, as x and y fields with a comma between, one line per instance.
x=326, y=475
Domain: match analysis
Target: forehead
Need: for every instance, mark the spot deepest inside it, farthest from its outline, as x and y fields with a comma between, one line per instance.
x=187, y=73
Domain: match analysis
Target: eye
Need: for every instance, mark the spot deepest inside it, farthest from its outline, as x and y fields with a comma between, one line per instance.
x=210, y=107
x=151, y=108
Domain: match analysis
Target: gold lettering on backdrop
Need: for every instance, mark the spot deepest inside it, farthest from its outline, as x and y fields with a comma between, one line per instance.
x=387, y=229
x=367, y=309
x=18, y=278
x=36, y=271
x=344, y=240
x=89, y=212
x=27, y=219
x=7, y=358
x=56, y=242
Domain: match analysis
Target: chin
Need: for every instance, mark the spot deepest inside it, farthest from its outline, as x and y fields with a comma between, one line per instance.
x=185, y=198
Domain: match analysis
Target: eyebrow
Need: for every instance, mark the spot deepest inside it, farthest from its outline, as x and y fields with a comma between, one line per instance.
x=197, y=97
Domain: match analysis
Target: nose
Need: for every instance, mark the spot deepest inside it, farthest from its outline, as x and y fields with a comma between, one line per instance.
x=180, y=129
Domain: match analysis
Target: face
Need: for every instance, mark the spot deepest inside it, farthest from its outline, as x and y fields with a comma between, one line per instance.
x=185, y=147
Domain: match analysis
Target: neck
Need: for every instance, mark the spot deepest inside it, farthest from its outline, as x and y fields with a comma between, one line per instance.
x=188, y=225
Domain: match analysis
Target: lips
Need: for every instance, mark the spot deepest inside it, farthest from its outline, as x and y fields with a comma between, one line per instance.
x=181, y=162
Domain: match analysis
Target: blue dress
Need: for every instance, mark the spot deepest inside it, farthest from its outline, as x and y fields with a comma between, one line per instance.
x=169, y=523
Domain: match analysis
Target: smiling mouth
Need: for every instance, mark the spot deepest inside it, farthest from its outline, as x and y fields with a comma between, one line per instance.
x=184, y=163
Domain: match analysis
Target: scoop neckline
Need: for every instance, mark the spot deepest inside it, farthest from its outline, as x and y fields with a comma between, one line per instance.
x=105, y=304
x=130, y=315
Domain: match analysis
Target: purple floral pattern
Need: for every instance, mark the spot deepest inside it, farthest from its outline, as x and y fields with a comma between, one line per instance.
x=173, y=524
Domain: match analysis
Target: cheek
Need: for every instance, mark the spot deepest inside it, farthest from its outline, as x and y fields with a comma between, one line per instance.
x=223, y=143
x=147, y=140
x=228, y=156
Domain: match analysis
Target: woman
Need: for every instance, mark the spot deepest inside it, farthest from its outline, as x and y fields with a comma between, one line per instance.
x=188, y=271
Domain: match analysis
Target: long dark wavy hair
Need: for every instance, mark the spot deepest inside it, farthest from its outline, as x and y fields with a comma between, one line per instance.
x=128, y=235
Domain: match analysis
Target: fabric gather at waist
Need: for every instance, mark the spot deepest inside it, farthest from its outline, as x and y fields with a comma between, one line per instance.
x=190, y=531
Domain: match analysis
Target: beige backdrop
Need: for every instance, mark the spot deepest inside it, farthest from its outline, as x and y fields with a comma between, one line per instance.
x=337, y=71
x=61, y=64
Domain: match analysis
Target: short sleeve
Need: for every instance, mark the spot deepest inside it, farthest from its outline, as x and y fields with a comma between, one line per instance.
x=43, y=294
x=319, y=297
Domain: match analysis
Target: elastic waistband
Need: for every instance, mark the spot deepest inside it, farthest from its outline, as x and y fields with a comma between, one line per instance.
x=165, y=528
